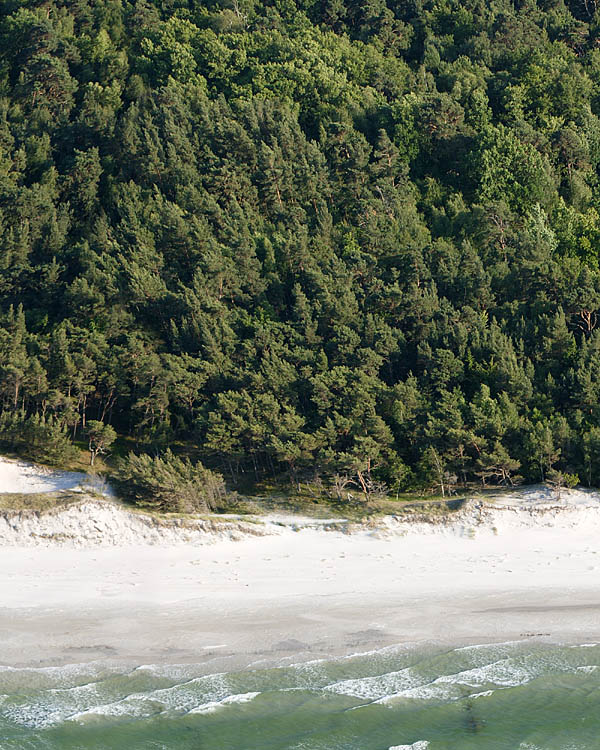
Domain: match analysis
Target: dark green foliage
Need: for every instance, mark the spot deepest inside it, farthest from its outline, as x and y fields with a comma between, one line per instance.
x=169, y=483
x=100, y=437
x=339, y=240
x=43, y=439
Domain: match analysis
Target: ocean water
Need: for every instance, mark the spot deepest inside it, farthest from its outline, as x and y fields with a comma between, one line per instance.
x=510, y=696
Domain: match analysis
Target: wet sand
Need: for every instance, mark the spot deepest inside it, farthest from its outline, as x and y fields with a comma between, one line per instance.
x=308, y=594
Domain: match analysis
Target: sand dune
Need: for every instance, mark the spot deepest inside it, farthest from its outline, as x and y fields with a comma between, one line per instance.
x=25, y=478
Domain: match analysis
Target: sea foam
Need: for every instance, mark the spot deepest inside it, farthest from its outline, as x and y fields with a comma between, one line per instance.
x=215, y=705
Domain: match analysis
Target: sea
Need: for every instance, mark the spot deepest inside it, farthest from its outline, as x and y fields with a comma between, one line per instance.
x=522, y=695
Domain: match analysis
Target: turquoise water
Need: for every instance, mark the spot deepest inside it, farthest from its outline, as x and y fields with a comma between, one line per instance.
x=519, y=695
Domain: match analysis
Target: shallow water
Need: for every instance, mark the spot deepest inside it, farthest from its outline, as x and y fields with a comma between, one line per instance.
x=523, y=695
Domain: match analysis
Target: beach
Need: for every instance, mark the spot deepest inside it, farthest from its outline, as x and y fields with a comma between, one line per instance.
x=306, y=596
x=524, y=566
x=98, y=593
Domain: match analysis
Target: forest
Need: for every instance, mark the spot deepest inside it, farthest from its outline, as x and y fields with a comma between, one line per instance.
x=348, y=243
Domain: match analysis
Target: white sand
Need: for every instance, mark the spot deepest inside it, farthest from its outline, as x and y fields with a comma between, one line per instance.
x=527, y=565
x=21, y=477
x=25, y=478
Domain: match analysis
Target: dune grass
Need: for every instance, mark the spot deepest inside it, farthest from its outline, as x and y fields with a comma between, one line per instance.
x=38, y=501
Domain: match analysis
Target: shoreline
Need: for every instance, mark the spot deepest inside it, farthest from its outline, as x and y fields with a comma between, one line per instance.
x=229, y=640
x=307, y=593
x=226, y=640
x=95, y=581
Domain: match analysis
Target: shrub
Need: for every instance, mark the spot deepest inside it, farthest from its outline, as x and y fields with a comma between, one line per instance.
x=43, y=439
x=169, y=483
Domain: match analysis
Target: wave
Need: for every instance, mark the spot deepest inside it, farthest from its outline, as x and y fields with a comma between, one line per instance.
x=452, y=675
x=482, y=694
x=41, y=697
x=493, y=645
x=112, y=697
x=375, y=687
x=214, y=705
x=416, y=682
x=176, y=672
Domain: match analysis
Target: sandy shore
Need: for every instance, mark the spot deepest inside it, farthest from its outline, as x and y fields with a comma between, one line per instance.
x=526, y=565
x=301, y=593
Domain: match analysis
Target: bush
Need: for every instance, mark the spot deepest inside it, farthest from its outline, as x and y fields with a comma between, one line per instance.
x=43, y=439
x=169, y=483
